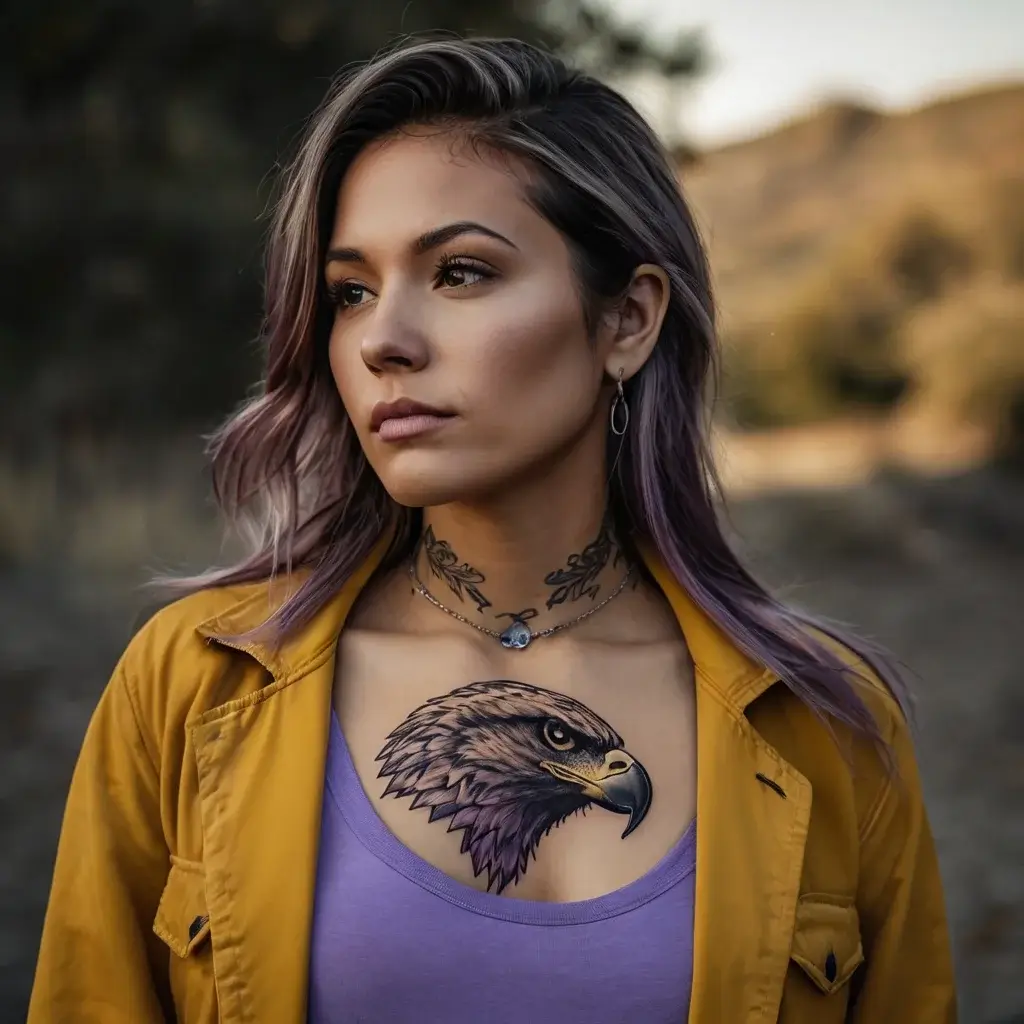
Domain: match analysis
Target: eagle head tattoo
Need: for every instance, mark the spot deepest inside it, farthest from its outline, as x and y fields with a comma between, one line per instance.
x=506, y=762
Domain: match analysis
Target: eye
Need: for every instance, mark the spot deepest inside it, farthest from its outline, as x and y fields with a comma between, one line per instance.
x=453, y=272
x=558, y=736
x=346, y=294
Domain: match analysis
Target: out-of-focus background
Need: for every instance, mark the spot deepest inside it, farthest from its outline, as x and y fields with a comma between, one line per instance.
x=859, y=174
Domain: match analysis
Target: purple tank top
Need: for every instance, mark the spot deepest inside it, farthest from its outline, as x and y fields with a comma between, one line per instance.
x=395, y=939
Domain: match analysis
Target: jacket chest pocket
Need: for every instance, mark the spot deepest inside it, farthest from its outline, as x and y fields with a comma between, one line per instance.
x=827, y=950
x=183, y=923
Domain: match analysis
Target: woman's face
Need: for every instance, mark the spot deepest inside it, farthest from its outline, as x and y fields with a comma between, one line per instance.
x=482, y=323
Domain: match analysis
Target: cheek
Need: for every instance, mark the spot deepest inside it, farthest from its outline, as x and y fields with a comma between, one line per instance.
x=533, y=364
x=348, y=371
x=340, y=359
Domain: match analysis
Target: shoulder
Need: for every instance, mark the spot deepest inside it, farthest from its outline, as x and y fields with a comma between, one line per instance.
x=867, y=682
x=178, y=630
x=171, y=669
x=872, y=689
x=867, y=802
x=841, y=763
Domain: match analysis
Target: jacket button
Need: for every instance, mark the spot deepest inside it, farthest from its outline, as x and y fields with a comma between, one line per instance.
x=830, y=967
x=196, y=926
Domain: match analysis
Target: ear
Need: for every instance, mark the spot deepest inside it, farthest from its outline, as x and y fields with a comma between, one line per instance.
x=633, y=329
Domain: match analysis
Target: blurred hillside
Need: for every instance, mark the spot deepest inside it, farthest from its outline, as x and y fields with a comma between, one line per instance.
x=872, y=263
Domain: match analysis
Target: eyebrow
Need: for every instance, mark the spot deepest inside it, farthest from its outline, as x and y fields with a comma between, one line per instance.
x=427, y=241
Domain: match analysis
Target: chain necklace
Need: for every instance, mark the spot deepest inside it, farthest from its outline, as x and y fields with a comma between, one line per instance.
x=518, y=635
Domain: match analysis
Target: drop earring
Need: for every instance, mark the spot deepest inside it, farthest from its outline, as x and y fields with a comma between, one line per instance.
x=620, y=409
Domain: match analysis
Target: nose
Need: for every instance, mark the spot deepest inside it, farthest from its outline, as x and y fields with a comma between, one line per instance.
x=390, y=346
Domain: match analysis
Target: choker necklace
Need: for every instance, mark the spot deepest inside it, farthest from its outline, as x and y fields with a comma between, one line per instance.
x=518, y=635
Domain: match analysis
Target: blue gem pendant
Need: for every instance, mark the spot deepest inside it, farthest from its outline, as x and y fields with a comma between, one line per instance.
x=516, y=636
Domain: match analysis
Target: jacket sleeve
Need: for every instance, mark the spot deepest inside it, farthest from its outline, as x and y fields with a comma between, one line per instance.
x=99, y=960
x=908, y=970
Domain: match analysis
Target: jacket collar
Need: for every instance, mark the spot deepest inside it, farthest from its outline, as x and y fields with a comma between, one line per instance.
x=736, y=677
x=304, y=646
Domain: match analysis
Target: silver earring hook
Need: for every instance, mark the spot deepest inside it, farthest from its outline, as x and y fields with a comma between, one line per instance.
x=619, y=402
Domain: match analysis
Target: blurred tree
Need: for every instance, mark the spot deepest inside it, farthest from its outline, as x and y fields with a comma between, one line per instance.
x=137, y=141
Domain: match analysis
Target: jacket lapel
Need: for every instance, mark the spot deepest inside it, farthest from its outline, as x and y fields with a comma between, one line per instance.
x=261, y=763
x=750, y=848
x=260, y=785
x=753, y=812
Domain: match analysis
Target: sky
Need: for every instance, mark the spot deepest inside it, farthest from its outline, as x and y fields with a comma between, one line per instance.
x=773, y=59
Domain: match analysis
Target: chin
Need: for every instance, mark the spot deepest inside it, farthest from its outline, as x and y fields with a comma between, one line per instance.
x=428, y=479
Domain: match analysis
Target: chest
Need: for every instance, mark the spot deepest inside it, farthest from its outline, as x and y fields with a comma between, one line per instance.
x=557, y=774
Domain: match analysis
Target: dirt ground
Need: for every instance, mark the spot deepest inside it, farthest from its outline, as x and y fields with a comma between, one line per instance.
x=933, y=569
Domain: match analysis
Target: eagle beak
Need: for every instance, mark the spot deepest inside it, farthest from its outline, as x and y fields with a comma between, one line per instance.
x=621, y=784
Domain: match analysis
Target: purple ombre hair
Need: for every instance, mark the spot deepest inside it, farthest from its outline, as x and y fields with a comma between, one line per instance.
x=288, y=466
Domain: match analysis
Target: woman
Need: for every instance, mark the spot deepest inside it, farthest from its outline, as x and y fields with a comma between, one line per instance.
x=492, y=725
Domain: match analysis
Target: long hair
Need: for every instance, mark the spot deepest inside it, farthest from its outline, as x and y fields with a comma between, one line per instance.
x=288, y=466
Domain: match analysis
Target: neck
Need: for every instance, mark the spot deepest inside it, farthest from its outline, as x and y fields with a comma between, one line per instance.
x=536, y=559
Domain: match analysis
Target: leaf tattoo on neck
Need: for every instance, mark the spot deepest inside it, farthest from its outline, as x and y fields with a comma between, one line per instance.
x=460, y=578
x=578, y=578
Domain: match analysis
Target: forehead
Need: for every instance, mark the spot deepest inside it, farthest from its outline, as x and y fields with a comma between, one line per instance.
x=413, y=181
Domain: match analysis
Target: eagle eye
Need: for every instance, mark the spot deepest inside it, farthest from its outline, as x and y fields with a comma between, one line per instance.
x=557, y=735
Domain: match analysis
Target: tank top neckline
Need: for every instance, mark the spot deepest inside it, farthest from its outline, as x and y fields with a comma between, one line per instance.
x=356, y=807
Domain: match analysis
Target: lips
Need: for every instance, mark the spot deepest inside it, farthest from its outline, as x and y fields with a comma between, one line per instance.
x=401, y=409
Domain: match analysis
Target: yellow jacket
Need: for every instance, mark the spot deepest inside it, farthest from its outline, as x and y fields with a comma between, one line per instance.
x=184, y=880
